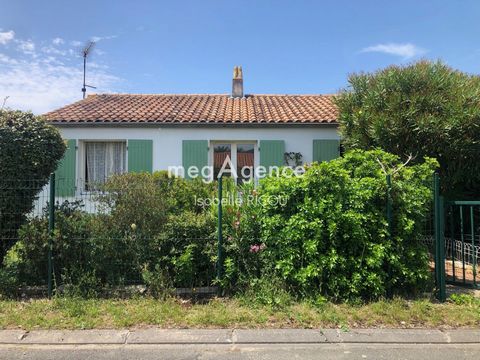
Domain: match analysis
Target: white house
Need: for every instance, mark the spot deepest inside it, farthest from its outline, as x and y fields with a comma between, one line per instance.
x=114, y=133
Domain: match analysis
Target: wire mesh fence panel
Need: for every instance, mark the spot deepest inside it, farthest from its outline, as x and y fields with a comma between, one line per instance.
x=104, y=236
x=128, y=232
x=20, y=201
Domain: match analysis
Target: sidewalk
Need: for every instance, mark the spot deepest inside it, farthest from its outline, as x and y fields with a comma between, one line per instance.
x=238, y=336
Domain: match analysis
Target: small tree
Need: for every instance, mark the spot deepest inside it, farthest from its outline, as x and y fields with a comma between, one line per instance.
x=422, y=109
x=30, y=150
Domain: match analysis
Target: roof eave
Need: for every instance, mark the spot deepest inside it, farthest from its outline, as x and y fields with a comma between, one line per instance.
x=330, y=123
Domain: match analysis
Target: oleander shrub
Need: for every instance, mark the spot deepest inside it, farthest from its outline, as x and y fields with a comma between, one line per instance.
x=243, y=245
x=421, y=109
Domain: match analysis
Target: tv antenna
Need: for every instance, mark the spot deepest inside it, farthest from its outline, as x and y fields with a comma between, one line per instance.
x=4, y=102
x=85, y=52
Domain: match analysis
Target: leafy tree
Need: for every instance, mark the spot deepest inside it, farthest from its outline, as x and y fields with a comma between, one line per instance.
x=30, y=150
x=422, y=109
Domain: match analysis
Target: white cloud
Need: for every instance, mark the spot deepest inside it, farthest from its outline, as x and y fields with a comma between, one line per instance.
x=6, y=36
x=406, y=50
x=54, y=51
x=100, y=38
x=7, y=60
x=58, y=41
x=75, y=43
x=26, y=46
x=47, y=79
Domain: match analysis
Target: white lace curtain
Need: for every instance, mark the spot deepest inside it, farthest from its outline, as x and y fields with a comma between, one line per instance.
x=104, y=159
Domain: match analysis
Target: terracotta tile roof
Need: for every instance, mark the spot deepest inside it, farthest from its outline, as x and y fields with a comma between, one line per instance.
x=196, y=109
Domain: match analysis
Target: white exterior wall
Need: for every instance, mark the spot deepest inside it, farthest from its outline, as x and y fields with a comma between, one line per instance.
x=167, y=141
x=167, y=144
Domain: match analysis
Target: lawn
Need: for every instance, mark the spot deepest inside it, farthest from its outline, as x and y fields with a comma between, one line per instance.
x=70, y=313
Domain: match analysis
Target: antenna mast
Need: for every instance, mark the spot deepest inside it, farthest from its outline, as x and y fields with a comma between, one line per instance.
x=85, y=52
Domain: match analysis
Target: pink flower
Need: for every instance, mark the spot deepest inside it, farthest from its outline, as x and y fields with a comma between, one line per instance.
x=256, y=248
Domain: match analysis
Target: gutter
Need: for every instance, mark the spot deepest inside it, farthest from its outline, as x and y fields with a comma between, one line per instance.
x=191, y=125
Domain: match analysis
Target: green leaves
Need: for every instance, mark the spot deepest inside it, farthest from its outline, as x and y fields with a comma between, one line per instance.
x=425, y=109
x=332, y=235
x=30, y=150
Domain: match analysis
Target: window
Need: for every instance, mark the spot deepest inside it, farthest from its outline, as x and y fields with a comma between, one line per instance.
x=241, y=160
x=103, y=159
x=222, y=155
x=245, y=163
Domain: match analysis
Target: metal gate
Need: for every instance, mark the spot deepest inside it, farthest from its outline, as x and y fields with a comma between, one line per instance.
x=457, y=242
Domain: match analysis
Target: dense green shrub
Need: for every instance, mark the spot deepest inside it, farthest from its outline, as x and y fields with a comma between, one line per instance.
x=71, y=245
x=331, y=236
x=29, y=152
x=422, y=109
x=187, y=249
x=244, y=255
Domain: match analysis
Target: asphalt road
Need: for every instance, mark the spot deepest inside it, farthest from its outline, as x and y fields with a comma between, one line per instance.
x=221, y=351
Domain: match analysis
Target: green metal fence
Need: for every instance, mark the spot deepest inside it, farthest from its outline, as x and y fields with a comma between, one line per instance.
x=454, y=229
x=462, y=243
x=59, y=230
x=457, y=242
x=439, y=249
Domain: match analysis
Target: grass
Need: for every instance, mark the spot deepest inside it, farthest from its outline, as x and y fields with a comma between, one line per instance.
x=72, y=313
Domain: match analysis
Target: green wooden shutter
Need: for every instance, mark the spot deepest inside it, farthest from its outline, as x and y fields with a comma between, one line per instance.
x=326, y=150
x=65, y=173
x=140, y=155
x=272, y=153
x=194, y=153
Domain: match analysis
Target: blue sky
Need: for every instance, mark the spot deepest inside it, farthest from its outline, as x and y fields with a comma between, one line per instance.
x=293, y=47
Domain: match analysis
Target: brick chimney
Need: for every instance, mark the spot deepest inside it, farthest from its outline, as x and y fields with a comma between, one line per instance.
x=237, y=84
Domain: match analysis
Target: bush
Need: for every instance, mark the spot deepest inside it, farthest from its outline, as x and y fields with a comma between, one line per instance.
x=140, y=234
x=423, y=109
x=70, y=246
x=30, y=151
x=244, y=249
x=331, y=236
x=187, y=249
x=320, y=235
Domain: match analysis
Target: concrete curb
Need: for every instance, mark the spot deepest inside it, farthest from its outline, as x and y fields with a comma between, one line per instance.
x=239, y=336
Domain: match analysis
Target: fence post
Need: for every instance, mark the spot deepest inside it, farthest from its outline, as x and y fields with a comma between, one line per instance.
x=389, y=205
x=442, y=288
x=219, y=232
x=439, y=219
x=51, y=228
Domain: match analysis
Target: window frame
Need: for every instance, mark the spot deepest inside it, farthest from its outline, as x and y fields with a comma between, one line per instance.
x=82, y=161
x=233, y=146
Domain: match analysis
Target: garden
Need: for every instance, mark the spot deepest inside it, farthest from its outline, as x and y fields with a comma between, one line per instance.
x=329, y=237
